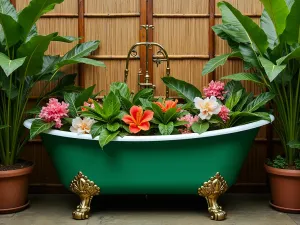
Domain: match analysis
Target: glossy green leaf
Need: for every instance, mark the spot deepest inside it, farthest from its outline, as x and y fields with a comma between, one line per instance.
x=70, y=98
x=84, y=96
x=214, y=63
x=243, y=76
x=200, y=127
x=97, y=129
x=146, y=93
x=8, y=9
x=111, y=105
x=120, y=88
x=271, y=69
x=232, y=87
x=247, y=31
x=81, y=50
x=49, y=63
x=106, y=137
x=166, y=129
x=220, y=30
x=185, y=90
x=38, y=126
x=180, y=123
x=158, y=113
x=294, y=144
x=66, y=39
x=113, y=126
x=11, y=29
x=295, y=54
x=249, y=55
x=125, y=103
x=268, y=27
x=241, y=118
x=245, y=100
x=170, y=115
x=291, y=33
x=34, y=50
x=9, y=66
x=259, y=101
x=234, y=99
x=30, y=14
x=80, y=60
x=145, y=103
x=278, y=12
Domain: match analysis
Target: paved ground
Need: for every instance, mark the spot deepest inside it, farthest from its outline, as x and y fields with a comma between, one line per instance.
x=151, y=210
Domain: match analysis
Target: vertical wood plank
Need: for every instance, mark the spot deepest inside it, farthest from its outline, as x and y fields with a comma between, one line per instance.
x=211, y=42
x=150, y=22
x=13, y=2
x=81, y=33
x=143, y=21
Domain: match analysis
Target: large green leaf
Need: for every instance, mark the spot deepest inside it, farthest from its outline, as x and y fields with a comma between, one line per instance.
x=34, y=49
x=80, y=60
x=234, y=99
x=247, y=31
x=84, y=96
x=48, y=69
x=220, y=30
x=8, y=9
x=120, y=87
x=170, y=115
x=9, y=66
x=146, y=93
x=81, y=50
x=268, y=27
x=241, y=118
x=278, y=12
x=246, y=99
x=66, y=39
x=259, y=101
x=97, y=129
x=243, y=76
x=295, y=54
x=292, y=31
x=106, y=137
x=38, y=126
x=166, y=129
x=200, y=127
x=271, y=69
x=11, y=29
x=232, y=87
x=214, y=63
x=70, y=98
x=249, y=55
x=158, y=113
x=182, y=88
x=113, y=126
x=36, y=8
x=111, y=105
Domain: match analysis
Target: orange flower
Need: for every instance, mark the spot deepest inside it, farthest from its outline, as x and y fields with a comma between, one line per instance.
x=166, y=105
x=138, y=120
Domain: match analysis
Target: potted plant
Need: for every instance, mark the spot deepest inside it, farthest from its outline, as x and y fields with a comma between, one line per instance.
x=23, y=63
x=271, y=52
x=151, y=145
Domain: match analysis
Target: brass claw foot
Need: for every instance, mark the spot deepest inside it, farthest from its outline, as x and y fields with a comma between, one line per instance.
x=86, y=190
x=212, y=190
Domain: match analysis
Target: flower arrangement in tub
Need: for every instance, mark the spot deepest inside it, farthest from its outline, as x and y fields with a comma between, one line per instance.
x=122, y=113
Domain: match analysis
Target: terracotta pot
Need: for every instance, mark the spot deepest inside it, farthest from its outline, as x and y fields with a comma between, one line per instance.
x=285, y=189
x=14, y=189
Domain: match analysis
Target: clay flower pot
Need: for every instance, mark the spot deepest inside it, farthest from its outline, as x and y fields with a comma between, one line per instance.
x=14, y=189
x=285, y=189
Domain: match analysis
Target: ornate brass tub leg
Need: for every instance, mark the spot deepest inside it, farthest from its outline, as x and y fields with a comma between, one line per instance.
x=86, y=190
x=212, y=190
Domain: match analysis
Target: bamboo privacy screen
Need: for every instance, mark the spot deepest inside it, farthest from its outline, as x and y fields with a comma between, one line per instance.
x=181, y=26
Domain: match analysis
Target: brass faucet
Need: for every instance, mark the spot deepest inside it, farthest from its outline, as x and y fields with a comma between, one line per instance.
x=133, y=52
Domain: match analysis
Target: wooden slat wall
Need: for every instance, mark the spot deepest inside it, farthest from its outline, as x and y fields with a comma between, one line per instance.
x=181, y=26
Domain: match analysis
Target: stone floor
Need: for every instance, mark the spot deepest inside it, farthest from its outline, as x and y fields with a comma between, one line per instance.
x=149, y=210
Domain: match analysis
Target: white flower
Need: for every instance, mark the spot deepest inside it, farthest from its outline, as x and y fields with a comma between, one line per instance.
x=208, y=107
x=82, y=126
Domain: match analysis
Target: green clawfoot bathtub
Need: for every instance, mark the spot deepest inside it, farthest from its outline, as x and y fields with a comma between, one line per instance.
x=205, y=164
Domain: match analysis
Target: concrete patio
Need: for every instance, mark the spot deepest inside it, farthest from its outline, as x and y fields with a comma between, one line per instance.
x=242, y=209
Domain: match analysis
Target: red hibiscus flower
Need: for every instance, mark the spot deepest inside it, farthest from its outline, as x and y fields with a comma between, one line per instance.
x=166, y=105
x=138, y=120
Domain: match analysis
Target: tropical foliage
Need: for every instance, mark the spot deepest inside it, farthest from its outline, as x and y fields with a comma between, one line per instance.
x=124, y=113
x=23, y=63
x=271, y=56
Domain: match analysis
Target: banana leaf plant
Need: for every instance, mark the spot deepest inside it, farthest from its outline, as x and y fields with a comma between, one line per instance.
x=23, y=63
x=271, y=56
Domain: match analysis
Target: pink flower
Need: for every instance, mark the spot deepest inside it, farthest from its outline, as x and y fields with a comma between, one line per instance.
x=224, y=113
x=215, y=89
x=54, y=112
x=188, y=118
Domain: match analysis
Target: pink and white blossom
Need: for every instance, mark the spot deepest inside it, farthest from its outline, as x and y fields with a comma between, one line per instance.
x=224, y=113
x=54, y=112
x=190, y=119
x=207, y=107
x=82, y=126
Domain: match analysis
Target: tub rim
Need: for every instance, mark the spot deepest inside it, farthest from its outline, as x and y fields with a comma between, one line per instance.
x=27, y=123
